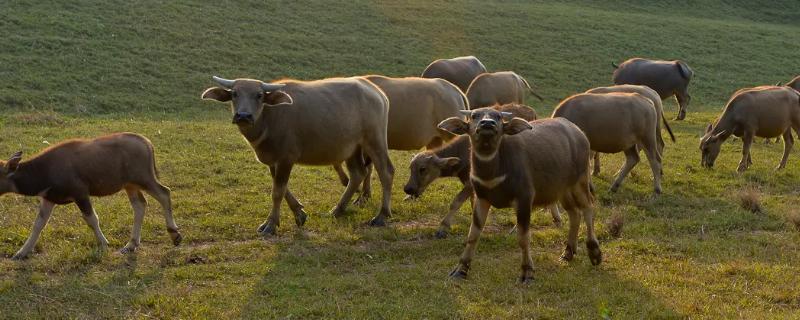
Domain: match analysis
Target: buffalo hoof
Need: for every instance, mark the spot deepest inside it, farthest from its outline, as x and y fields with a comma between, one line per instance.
x=19, y=256
x=361, y=200
x=176, y=237
x=459, y=273
x=614, y=188
x=569, y=254
x=595, y=255
x=527, y=275
x=558, y=223
x=268, y=231
x=441, y=234
x=378, y=221
x=681, y=115
x=128, y=249
x=300, y=218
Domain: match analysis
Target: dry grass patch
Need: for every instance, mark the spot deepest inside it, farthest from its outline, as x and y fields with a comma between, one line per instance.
x=750, y=199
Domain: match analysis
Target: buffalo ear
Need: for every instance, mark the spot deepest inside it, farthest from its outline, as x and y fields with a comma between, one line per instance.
x=708, y=128
x=277, y=97
x=13, y=162
x=448, y=162
x=216, y=93
x=454, y=125
x=516, y=125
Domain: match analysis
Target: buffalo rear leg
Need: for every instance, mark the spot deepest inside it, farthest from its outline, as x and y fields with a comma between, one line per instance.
x=788, y=142
x=747, y=141
x=683, y=102
x=138, y=204
x=45, y=210
x=379, y=155
x=596, y=167
x=343, y=179
x=162, y=194
x=357, y=170
x=631, y=159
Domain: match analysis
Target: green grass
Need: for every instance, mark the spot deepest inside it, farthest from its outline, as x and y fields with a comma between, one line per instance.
x=81, y=70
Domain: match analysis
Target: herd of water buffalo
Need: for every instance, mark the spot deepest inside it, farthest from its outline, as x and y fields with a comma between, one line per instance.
x=473, y=123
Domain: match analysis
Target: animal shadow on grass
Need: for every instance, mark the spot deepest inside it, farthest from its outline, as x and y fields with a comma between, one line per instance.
x=407, y=278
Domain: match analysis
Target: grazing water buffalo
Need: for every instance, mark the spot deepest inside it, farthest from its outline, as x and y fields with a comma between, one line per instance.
x=74, y=170
x=648, y=93
x=452, y=160
x=668, y=78
x=617, y=122
x=417, y=107
x=520, y=164
x=504, y=87
x=766, y=111
x=323, y=122
x=459, y=71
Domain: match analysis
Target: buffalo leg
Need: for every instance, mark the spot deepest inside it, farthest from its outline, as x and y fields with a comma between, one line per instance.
x=479, y=215
x=596, y=167
x=572, y=237
x=683, y=102
x=280, y=179
x=366, y=187
x=788, y=142
x=379, y=155
x=553, y=208
x=524, y=239
x=654, y=158
x=162, y=195
x=138, y=204
x=45, y=210
x=631, y=159
x=85, y=205
x=343, y=179
x=357, y=170
x=592, y=245
x=747, y=141
x=458, y=201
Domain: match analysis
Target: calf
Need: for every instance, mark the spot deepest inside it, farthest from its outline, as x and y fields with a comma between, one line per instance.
x=523, y=164
x=766, y=111
x=452, y=160
x=74, y=170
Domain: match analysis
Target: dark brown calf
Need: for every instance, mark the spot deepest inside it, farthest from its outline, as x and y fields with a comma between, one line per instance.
x=522, y=164
x=74, y=170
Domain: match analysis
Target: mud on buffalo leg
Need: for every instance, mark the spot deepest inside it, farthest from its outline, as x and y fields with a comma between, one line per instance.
x=138, y=204
x=458, y=201
x=162, y=195
x=788, y=142
x=357, y=170
x=631, y=159
x=91, y=219
x=479, y=215
x=45, y=210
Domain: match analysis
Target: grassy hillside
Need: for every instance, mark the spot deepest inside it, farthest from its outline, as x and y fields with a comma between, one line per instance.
x=83, y=69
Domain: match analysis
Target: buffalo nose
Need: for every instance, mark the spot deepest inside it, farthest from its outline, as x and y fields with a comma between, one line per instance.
x=486, y=123
x=242, y=117
x=409, y=190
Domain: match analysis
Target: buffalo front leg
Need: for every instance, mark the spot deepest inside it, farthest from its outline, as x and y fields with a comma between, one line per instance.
x=280, y=180
x=747, y=141
x=788, y=142
x=458, y=201
x=479, y=215
x=631, y=159
x=524, y=239
x=45, y=210
x=85, y=205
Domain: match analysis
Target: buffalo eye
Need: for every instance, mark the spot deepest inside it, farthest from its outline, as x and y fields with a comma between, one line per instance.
x=475, y=116
x=423, y=169
x=259, y=95
x=234, y=94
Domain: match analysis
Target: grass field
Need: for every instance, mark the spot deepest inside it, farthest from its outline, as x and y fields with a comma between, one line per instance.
x=81, y=69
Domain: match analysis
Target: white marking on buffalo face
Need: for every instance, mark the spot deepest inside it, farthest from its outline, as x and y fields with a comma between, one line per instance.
x=491, y=183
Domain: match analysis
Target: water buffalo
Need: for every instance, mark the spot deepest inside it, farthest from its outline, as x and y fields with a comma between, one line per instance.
x=452, y=160
x=617, y=122
x=794, y=84
x=766, y=111
x=503, y=87
x=521, y=164
x=459, y=71
x=323, y=122
x=650, y=94
x=668, y=78
x=74, y=170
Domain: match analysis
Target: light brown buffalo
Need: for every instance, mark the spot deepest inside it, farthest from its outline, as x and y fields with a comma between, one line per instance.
x=523, y=164
x=459, y=71
x=323, y=122
x=617, y=122
x=501, y=88
x=648, y=93
x=452, y=160
x=417, y=107
x=766, y=111
x=668, y=78
x=74, y=170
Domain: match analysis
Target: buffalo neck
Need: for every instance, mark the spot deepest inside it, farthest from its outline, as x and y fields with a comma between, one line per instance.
x=489, y=165
x=31, y=178
x=458, y=148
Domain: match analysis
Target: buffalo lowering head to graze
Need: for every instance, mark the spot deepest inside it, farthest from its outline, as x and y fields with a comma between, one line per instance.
x=765, y=111
x=501, y=88
x=74, y=170
x=521, y=164
x=323, y=122
x=459, y=71
x=668, y=78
